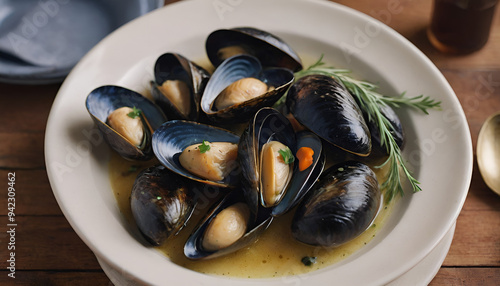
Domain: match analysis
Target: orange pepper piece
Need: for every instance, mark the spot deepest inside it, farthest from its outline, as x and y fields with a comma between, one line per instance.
x=305, y=156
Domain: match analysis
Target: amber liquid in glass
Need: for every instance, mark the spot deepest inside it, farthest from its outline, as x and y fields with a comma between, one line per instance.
x=461, y=26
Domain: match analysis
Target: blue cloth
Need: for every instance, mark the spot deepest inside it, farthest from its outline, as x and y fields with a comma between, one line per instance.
x=41, y=40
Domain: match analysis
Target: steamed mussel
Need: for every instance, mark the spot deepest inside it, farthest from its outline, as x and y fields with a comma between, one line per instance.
x=341, y=205
x=323, y=105
x=178, y=86
x=240, y=86
x=177, y=145
x=228, y=227
x=270, y=177
x=126, y=119
x=268, y=48
x=161, y=203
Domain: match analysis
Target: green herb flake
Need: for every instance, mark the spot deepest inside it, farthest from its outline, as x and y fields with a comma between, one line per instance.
x=204, y=147
x=308, y=260
x=136, y=112
x=287, y=155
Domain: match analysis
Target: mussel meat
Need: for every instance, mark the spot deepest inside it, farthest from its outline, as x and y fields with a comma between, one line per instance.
x=340, y=206
x=161, y=203
x=126, y=119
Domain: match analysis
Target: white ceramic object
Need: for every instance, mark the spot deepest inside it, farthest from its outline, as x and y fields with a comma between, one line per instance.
x=438, y=149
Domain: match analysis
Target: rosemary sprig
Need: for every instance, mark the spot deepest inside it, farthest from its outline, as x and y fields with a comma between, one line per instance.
x=371, y=102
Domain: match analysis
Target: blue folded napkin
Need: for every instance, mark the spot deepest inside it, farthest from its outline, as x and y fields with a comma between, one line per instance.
x=41, y=40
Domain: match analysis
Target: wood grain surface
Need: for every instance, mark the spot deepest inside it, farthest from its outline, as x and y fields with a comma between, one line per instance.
x=49, y=252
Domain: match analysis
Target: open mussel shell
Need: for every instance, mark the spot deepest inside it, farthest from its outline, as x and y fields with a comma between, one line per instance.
x=269, y=49
x=342, y=205
x=102, y=101
x=323, y=105
x=161, y=203
x=257, y=224
x=270, y=125
x=234, y=69
x=175, y=67
x=176, y=135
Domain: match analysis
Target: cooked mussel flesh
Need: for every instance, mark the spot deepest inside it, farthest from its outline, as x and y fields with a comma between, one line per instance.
x=226, y=227
x=323, y=105
x=128, y=123
x=210, y=160
x=240, y=91
x=340, y=206
x=161, y=203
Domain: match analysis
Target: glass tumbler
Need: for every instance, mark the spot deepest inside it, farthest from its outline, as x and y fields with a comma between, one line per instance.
x=461, y=26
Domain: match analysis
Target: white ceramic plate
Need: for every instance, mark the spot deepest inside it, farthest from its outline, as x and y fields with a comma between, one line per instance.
x=438, y=149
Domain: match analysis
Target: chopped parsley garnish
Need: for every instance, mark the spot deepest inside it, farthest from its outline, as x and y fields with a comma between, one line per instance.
x=308, y=260
x=136, y=112
x=287, y=155
x=204, y=147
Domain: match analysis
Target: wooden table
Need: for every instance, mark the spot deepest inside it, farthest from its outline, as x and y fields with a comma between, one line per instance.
x=48, y=251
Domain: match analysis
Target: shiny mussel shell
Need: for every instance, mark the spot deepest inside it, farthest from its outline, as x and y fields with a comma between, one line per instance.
x=269, y=49
x=172, y=67
x=176, y=135
x=161, y=203
x=268, y=124
x=325, y=107
x=257, y=224
x=105, y=99
x=340, y=206
x=236, y=68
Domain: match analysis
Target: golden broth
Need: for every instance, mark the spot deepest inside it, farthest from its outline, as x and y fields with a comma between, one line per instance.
x=274, y=254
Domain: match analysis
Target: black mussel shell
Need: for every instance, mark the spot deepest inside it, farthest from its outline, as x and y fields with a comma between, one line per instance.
x=176, y=135
x=324, y=106
x=258, y=223
x=161, y=203
x=342, y=205
x=236, y=68
x=269, y=49
x=106, y=99
x=172, y=66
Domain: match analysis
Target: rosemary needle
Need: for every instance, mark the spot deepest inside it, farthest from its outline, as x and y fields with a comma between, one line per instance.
x=371, y=103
